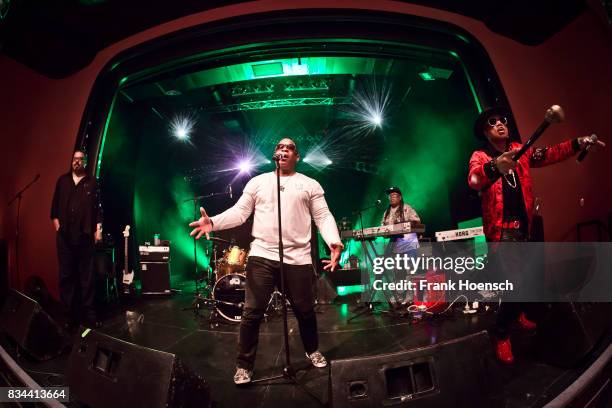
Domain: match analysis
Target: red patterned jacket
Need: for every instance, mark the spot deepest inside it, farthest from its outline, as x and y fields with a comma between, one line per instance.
x=490, y=187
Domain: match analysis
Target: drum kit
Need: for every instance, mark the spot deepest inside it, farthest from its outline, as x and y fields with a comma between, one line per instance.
x=225, y=282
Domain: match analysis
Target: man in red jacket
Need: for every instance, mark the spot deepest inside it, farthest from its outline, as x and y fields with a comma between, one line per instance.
x=505, y=188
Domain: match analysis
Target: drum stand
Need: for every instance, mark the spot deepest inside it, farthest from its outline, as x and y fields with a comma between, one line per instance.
x=275, y=304
x=199, y=299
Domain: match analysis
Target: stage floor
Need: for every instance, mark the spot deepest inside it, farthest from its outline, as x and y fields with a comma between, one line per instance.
x=162, y=324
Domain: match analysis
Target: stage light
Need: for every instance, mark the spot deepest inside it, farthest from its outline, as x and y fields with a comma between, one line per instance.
x=433, y=73
x=181, y=126
x=245, y=166
x=368, y=109
x=317, y=158
x=376, y=119
x=426, y=76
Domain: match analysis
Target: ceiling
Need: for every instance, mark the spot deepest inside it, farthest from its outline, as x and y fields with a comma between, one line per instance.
x=59, y=37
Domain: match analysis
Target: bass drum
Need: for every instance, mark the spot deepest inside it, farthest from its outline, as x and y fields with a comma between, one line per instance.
x=229, y=291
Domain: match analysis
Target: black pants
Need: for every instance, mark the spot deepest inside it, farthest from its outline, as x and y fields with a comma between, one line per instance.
x=261, y=277
x=76, y=283
x=509, y=311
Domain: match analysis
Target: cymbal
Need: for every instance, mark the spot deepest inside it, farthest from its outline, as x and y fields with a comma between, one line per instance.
x=215, y=239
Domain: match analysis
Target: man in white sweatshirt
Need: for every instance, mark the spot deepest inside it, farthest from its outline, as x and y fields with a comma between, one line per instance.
x=302, y=200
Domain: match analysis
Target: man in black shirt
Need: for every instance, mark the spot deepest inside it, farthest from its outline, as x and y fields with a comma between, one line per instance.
x=77, y=217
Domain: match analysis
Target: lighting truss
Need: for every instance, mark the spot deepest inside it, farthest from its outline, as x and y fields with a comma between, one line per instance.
x=279, y=103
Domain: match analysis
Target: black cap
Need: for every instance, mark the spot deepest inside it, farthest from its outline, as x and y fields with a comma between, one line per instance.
x=394, y=190
x=484, y=116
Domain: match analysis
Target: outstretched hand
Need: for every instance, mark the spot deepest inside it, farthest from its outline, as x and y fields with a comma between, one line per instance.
x=332, y=264
x=202, y=226
x=592, y=141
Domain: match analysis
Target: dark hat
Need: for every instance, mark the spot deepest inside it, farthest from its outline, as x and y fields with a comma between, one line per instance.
x=484, y=116
x=394, y=190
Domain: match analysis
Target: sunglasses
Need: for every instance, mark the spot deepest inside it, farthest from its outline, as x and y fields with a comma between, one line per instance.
x=281, y=146
x=493, y=121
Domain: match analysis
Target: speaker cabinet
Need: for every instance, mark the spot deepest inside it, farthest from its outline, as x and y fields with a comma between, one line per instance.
x=31, y=327
x=155, y=278
x=455, y=373
x=107, y=372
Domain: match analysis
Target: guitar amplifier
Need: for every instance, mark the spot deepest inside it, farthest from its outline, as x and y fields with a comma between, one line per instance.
x=152, y=253
x=155, y=278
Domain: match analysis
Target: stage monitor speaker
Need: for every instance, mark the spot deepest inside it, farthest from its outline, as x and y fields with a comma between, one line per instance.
x=155, y=278
x=107, y=372
x=567, y=332
x=455, y=373
x=31, y=327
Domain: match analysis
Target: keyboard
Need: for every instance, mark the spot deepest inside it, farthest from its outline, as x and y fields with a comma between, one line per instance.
x=463, y=233
x=384, y=231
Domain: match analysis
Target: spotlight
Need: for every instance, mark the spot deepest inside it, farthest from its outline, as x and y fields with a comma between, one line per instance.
x=181, y=133
x=181, y=126
x=245, y=166
x=369, y=108
x=317, y=159
x=376, y=119
x=426, y=76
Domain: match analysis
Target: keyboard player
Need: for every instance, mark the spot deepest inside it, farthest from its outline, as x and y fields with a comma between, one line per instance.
x=397, y=212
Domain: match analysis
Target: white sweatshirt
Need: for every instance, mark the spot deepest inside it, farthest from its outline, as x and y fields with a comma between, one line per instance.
x=302, y=200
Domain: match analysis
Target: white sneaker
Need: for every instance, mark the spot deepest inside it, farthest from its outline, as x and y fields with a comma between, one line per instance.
x=317, y=359
x=242, y=376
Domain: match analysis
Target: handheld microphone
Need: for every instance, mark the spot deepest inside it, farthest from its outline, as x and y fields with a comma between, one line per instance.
x=584, y=151
x=376, y=204
x=278, y=156
x=229, y=189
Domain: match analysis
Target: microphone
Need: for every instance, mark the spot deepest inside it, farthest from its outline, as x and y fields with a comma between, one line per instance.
x=38, y=175
x=229, y=189
x=584, y=151
x=554, y=114
x=278, y=156
x=376, y=204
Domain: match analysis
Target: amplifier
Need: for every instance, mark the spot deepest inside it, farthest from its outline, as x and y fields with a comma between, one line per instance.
x=155, y=278
x=152, y=253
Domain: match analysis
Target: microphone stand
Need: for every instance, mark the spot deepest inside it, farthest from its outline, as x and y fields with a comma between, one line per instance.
x=18, y=197
x=288, y=371
x=367, y=306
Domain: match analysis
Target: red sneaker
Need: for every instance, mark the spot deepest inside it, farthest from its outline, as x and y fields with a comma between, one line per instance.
x=526, y=323
x=503, y=351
